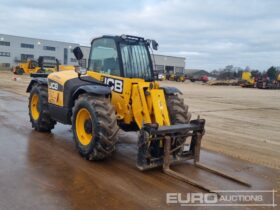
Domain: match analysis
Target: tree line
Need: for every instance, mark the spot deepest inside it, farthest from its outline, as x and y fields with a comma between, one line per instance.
x=231, y=72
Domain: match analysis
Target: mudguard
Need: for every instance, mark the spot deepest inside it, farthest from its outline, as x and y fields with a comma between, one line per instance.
x=94, y=89
x=39, y=80
x=171, y=90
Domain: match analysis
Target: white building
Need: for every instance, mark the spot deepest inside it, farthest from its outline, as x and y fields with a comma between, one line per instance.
x=168, y=64
x=16, y=49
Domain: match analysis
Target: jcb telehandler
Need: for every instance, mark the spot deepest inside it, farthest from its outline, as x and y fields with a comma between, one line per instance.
x=36, y=66
x=42, y=65
x=118, y=90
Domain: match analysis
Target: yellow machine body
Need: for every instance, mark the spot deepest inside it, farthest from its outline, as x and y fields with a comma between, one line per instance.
x=29, y=67
x=56, y=82
x=97, y=103
x=278, y=77
x=247, y=76
x=66, y=68
x=134, y=101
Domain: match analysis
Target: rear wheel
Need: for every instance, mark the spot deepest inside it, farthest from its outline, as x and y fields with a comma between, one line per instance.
x=38, y=109
x=94, y=126
x=178, y=113
x=19, y=71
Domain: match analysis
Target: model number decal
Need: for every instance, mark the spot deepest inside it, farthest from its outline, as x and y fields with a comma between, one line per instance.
x=115, y=84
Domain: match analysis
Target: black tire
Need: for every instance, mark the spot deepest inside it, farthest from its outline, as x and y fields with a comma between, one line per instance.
x=19, y=71
x=104, y=127
x=41, y=71
x=44, y=123
x=178, y=114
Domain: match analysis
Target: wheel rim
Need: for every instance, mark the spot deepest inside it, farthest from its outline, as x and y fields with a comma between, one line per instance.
x=34, y=107
x=84, y=126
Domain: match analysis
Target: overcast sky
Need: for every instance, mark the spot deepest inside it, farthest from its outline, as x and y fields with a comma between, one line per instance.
x=210, y=34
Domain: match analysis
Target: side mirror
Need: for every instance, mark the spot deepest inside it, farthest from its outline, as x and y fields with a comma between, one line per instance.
x=80, y=71
x=40, y=61
x=78, y=53
x=154, y=45
x=57, y=64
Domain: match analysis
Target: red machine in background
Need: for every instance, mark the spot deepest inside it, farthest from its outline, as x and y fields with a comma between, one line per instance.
x=202, y=78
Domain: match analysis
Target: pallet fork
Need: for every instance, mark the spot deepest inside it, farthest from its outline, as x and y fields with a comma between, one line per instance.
x=195, y=130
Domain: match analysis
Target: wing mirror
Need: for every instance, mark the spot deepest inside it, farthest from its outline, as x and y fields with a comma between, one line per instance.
x=78, y=53
x=154, y=45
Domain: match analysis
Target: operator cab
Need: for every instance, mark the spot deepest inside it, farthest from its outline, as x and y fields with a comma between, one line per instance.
x=32, y=64
x=124, y=56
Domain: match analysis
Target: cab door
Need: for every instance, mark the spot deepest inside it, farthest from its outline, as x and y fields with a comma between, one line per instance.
x=104, y=65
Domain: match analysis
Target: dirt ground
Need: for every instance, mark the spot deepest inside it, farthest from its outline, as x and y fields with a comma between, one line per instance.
x=44, y=171
x=241, y=122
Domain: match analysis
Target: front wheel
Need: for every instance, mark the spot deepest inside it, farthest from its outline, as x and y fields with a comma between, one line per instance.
x=94, y=126
x=178, y=113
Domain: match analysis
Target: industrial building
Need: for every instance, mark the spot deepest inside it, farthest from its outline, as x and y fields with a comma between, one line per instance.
x=169, y=64
x=17, y=49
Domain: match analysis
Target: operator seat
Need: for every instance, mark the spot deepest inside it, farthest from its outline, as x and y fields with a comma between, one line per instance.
x=112, y=65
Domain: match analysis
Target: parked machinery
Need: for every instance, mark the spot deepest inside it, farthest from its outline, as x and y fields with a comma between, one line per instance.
x=202, y=78
x=178, y=77
x=160, y=75
x=30, y=66
x=42, y=65
x=118, y=90
x=247, y=80
x=266, y=82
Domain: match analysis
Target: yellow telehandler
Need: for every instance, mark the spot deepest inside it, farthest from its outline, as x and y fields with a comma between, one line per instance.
x=42, y=65
x=178, y=77
x=118, y=90
x=28, y=67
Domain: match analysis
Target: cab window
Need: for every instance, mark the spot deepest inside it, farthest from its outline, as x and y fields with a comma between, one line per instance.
x=104, y=57
x=33, y=64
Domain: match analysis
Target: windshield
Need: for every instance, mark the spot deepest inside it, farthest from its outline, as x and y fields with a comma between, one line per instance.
x=104, y=57
x=135, y=59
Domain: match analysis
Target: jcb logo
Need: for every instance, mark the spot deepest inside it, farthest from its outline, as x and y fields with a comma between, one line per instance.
x=53, y=85
x=115, y=84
